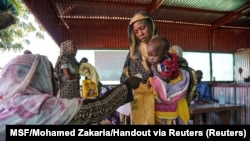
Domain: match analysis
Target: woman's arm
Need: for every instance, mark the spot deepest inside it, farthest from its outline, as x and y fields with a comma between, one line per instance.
x=69, y=75
x=95, y=110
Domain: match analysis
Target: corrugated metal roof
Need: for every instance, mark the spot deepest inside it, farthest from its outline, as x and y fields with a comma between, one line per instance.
x=192, y=11
x=108, y=19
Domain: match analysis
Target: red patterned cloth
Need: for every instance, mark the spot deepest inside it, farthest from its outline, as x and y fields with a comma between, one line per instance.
x=169, y=67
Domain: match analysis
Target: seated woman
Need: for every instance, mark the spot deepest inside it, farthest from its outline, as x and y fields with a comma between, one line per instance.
x=27, y=96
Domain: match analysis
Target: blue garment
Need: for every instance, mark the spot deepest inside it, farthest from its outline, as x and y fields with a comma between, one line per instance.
x=204, y=91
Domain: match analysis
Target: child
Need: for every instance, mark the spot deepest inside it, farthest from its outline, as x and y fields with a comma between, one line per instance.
x=163, y=64
x=90, y=72
x=91, y=79
x=169, y=83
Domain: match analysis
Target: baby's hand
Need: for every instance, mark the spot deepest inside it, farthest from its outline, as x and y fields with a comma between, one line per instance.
x=149, y=84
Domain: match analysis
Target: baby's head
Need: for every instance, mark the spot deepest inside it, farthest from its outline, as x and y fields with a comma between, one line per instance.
x=157, y=48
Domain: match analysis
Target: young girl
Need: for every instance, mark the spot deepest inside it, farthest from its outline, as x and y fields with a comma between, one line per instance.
x=169, y=83
x=91, y=77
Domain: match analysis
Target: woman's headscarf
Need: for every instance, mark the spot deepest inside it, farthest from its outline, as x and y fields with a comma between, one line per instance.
x=26, y=95
x=133, y=43
x=66, y=54
x=177, y=50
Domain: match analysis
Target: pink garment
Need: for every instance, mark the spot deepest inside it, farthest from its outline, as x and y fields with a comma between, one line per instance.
x=168, y=94
x=26, y=95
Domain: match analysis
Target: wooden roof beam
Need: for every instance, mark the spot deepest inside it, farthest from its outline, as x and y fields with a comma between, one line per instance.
x=185, y=9
x=230, y=17
x=155, y=4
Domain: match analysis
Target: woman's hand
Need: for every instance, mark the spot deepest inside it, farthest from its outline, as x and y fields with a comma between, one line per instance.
x=134, y=82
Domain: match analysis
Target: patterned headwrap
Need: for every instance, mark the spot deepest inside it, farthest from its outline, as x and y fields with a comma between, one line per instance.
x=132, y=38
x=66, y=46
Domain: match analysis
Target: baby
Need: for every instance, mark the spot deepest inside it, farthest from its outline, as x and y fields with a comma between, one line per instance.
x=169, y=83
x=163, y=64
